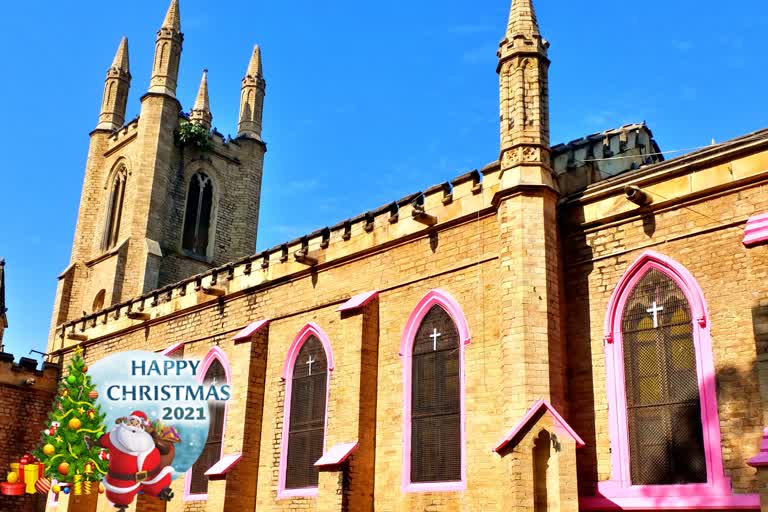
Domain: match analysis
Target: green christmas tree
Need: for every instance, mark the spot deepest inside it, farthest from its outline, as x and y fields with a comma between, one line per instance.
x=69, y=448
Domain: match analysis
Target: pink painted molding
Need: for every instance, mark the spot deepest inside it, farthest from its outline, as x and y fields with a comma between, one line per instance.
x=449, y=304
x=173, y=348
x=358, y=301
x=530, y=418
x=225, y=464
x=336, y=455
x=213, y=354
x=735, y=502
x=619, y=489
x=761, y=459
x=311, y=329
x=756, y=230
x=247, y=333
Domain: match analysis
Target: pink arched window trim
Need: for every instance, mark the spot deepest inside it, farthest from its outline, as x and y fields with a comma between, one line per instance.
x=311, y=329
x=620, y=486
x=214, y=354
x=448, y=303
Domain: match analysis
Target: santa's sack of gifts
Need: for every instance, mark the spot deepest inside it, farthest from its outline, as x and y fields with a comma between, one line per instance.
x=165, y=438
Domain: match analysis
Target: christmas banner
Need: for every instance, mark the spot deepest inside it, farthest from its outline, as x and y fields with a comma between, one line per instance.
x=130, y=424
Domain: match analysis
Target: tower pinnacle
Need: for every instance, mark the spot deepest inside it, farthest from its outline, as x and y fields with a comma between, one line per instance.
x=524, y=92
x=201, y=111
x=172, y=18
x=165, y=69
x=252, y=98
x=116, y=87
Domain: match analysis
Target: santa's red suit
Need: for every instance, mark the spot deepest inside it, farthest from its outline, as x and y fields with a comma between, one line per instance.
x=134, y=462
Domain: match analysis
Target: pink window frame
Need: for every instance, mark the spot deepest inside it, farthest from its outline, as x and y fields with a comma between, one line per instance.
x=716, y=492
x=213, y=354
x=311, y=329
x=443, y=299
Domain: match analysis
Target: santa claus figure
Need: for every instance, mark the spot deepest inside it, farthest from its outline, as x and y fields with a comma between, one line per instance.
x=134, y=462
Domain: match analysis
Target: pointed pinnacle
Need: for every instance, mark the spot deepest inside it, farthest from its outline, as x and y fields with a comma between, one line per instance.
x=254, y=66
x=522, y=19
x=172, y=17
x=121, y=57
x=201, y=102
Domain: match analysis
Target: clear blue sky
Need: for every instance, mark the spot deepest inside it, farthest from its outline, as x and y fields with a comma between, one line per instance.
x=366, y=101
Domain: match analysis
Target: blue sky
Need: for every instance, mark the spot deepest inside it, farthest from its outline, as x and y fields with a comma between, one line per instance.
x=366, y=102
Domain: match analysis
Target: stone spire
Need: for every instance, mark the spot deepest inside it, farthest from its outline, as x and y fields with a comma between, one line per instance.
x=252, y=98
x=522, y=19
x=116, y=87
x=524, y=90
x=201, y=112
x=165, y=69
x=172, y=19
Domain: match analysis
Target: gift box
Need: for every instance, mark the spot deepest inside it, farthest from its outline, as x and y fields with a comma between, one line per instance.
x=16, y=468
x=9, y=489
x=32, y=472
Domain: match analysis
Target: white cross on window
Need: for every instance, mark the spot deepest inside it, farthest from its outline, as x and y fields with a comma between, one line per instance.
x=434, y=337
x=309, y=363
x=655, y=310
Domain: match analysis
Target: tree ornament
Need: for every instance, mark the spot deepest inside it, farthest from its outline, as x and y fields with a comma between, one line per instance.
x=64, y=392
x=85, y=369
x=64, y=468
x=75, y=424
x=65, y=490
x=71, y=379
x=80, y=411
x=101, y=488
x=103, y=454
x=43, y=485
x=59, y=439
x=12, y=477
x=93, y=395
x=49, y=449
x=91, y=414
x=56, y=488
x=88, y=469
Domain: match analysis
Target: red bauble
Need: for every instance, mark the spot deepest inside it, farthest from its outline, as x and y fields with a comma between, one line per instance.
x=85, y=369
x=64, y=468
x=93, y=395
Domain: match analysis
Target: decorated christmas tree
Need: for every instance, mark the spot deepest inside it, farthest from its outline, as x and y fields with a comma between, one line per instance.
x=69, y=449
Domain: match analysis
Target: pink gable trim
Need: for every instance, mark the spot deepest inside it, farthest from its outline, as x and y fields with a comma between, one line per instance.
x=358, y=301
x=449, y=304
x=756, y=230
x=337, y=454
x=293, y=352
x=223, y=466
x=173, y=348
x=249, y=331
x=213, y=354
x=620, y=487
x=761, y=459
x=531, y=417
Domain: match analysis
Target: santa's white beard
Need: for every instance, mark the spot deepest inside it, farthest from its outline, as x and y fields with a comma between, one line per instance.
x=131, y=439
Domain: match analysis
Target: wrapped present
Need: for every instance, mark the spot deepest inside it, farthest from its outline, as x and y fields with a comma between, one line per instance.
x=15, y=467
x=170, y=434
x=9, y=489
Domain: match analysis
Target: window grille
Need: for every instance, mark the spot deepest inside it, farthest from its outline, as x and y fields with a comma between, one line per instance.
x=197, y=220
x=663, y=403
x=306, y=428
x=436, y=400
x=212, y=450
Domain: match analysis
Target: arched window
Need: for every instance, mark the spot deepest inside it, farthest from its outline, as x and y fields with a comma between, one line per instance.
x=663, y=420
x=661, y=385
x=197, y=219
x=215, y=374
x=306, y=373
x=98, y=301
x=114, y=210
x=433, y=354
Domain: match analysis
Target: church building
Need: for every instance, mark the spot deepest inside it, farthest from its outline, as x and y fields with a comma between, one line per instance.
x=580, y=326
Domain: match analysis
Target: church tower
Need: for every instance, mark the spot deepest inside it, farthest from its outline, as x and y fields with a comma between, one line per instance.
x=531, y=344
x=155, y=205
